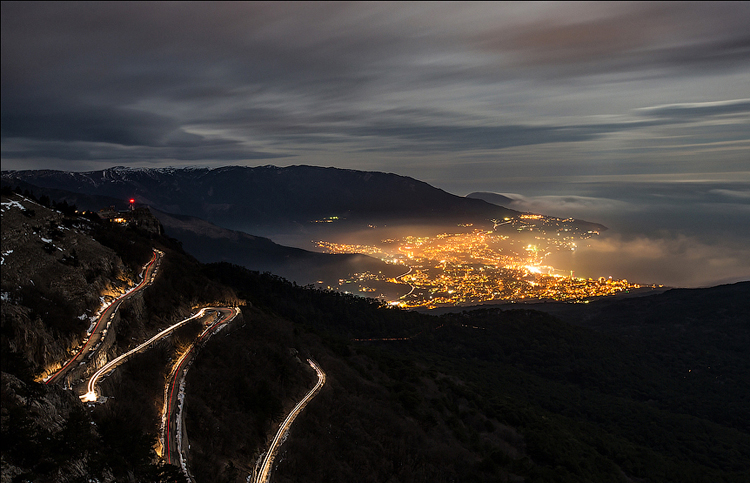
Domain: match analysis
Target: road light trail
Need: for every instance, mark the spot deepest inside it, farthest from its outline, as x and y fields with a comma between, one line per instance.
x=265, y=469
x=111, y=365
x=176, y=379
x=407, y=283
x=148, y=275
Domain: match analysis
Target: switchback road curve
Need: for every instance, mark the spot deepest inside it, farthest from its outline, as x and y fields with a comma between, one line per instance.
x=97, y=334
x=172, y=430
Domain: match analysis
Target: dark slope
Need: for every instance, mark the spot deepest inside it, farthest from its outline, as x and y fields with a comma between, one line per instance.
x=237, y=196
x=715, y=307
x=699, y=338
x=210, y=243
x=48, y=434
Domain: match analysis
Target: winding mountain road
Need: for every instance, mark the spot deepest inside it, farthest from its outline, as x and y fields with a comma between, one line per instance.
x=172, y=430
x=95, y=339
x=172, y=427
x=265, y=469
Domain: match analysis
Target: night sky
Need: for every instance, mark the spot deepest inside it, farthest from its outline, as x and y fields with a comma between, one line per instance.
x=636, y=116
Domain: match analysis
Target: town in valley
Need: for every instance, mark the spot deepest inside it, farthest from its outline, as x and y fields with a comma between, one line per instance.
x=506, y=261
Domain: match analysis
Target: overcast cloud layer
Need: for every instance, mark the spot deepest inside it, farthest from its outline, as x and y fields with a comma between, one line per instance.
x=583, y=100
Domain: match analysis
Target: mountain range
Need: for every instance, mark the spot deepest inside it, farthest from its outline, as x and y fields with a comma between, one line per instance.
x=232, y=213
x=254, y=198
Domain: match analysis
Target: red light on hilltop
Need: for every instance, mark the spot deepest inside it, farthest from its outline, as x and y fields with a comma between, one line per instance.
x=132, y=200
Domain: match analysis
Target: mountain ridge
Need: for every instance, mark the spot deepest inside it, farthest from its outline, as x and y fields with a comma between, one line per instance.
x=268, y=194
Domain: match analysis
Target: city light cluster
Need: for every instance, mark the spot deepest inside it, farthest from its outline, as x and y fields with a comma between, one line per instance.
x=506, y=263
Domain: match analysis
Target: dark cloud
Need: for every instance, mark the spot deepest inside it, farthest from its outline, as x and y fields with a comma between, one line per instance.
x=106, y=154
x=44, y=119
x=731, y=195
x=185, y=51
x=462, y=138
x=44, y=129
x=466, y=138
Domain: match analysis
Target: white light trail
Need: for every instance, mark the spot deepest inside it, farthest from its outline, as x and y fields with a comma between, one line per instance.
x=265, y=469
x=91, y=387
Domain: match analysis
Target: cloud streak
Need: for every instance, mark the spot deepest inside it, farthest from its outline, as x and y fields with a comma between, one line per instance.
x=698, y=110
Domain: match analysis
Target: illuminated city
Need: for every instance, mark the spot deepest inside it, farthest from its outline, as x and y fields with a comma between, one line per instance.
x=508, y=262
